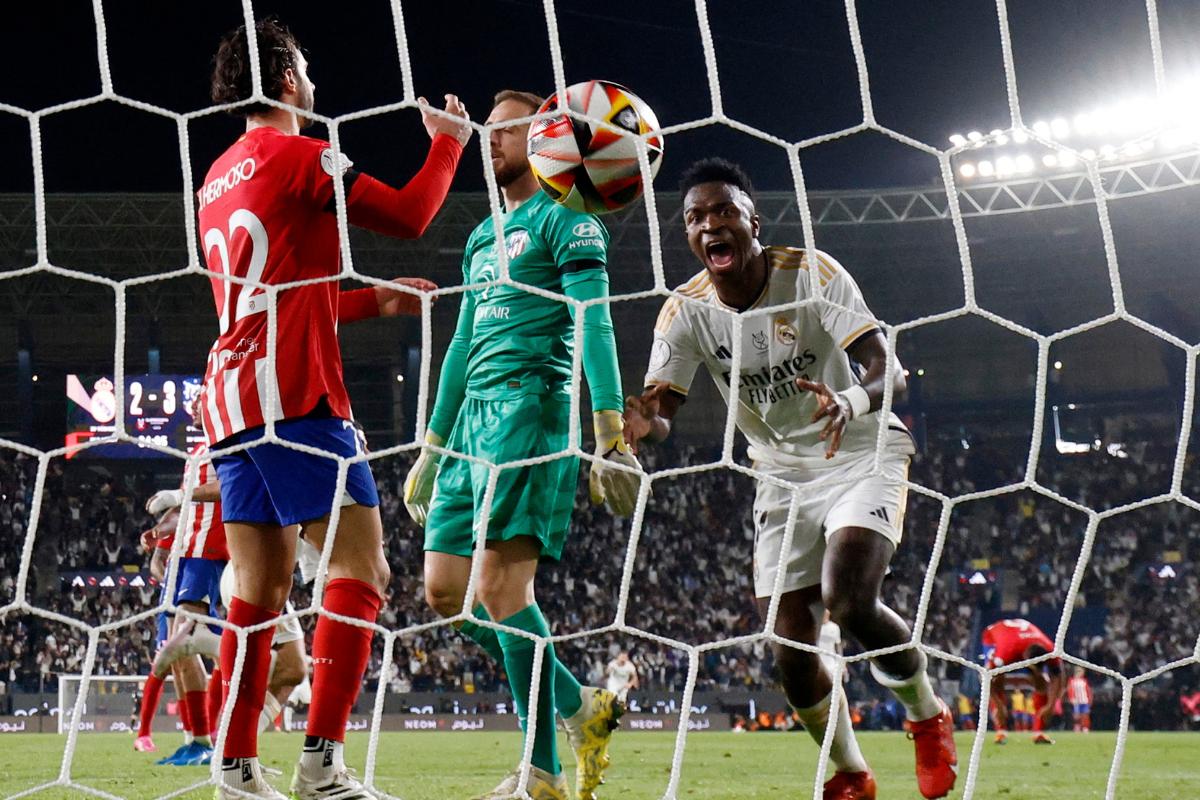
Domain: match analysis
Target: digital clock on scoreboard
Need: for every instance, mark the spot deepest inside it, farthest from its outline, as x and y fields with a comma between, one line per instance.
x=158, y=410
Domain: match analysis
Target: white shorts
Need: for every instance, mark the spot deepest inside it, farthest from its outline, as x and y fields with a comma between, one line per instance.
x=832, y=501
x=289, y=631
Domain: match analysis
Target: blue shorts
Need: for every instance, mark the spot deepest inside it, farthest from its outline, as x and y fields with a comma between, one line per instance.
x=1083, y=708
x=163, y=625
x=275, y=485
x=199, y=581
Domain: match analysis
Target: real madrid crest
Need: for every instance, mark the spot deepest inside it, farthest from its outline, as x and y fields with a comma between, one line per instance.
x=784, y=332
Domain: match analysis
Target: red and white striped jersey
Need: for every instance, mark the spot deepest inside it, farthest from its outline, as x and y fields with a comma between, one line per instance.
x=203, y=530
x=264, y=216
x=1078, y=691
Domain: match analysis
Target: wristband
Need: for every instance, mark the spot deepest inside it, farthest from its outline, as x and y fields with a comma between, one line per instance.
x=859, y=400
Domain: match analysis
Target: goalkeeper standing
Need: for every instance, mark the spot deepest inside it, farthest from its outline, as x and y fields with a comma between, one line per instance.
x=505, y=395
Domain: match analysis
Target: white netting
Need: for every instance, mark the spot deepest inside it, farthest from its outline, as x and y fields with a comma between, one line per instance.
x=20, y=604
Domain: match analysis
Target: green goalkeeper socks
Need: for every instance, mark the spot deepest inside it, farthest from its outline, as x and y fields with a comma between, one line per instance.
x=518, y=662
x=568, y=693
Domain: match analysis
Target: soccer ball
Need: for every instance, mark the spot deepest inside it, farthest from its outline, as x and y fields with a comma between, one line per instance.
x=589, y=167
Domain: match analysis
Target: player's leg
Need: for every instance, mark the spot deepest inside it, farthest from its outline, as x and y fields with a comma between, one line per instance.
x=1041, y=675
x=191, y=683
x=288, y=671
x=262, y=557
x=357, y=581
x=999, y=708
x=151, y=694
x=808, y=685
x=506, y=590
x=446, y=577
x=805, y=680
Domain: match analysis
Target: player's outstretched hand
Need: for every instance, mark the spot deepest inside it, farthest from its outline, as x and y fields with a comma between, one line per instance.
x=418, y=486
x=832, y=406
x=606, y=484
x=395, y=303
x=640, y=411
x=164, y=501
x=436, y=124
x=149, y=540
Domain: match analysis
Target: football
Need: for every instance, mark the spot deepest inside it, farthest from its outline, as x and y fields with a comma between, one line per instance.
x=588, y=166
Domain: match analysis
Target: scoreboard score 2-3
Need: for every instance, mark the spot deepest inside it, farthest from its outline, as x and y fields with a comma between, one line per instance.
x=158, y=410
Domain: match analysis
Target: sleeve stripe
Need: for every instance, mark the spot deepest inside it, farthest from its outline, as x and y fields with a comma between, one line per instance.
x=674, y=387
x=665, y=317
x=849, y=340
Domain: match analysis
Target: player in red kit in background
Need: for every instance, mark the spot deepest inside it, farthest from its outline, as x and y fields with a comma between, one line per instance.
x=1009, y=641
x=267, y=214
x=1079, y=695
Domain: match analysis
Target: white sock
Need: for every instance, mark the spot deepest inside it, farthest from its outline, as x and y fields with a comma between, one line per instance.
x=239, y=772
x=288, y=713
x=915, y=692
x=844, y=751
x=204, y=740
x=321, y=758
x=270, y=711
x=188, y=738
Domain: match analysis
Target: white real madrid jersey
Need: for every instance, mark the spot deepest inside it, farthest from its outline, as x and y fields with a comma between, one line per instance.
x=777, y=347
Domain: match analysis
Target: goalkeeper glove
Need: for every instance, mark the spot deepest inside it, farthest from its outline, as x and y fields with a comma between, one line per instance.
x=164, y=501
x=615, y=486
x=418, y=487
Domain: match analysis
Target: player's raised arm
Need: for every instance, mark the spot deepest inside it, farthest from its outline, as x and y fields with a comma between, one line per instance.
x=406, y=212
x=382, y=301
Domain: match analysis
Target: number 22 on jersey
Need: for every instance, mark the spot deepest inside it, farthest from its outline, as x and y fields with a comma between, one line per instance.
x=250, y=299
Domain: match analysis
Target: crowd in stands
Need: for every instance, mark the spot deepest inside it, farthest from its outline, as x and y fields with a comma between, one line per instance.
x=690, y=580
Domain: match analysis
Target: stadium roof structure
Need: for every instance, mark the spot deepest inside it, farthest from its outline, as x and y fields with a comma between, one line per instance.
x=1047, y=270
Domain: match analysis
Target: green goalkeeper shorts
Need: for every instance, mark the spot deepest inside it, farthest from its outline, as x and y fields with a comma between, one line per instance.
x=528, y=501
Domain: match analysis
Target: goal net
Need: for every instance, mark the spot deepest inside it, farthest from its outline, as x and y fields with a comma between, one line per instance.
x=81, y=696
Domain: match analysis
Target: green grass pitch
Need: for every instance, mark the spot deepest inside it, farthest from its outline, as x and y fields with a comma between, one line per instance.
x=717, y=766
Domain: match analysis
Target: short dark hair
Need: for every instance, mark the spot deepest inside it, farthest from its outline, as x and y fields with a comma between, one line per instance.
x=528, y=98
x=709, y=170
x=231, y=78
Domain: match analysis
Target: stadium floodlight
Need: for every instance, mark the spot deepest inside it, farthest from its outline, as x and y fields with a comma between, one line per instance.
x=1083, y=124
x=1042, y=128
x=1108, y=150
x=986, y=169
x=1088, y=153
x=957, y=139
x=1058, y=365
x=1060, y=128
x=975, y=136
x=967, y=170
x=1050, y=160
x=1066, y=159
x=1005, y=165
x=1024, y=163
x=998, y=137
x=1020, y=137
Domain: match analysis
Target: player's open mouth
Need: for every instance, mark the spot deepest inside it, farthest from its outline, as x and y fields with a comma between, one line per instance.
x=720, y=254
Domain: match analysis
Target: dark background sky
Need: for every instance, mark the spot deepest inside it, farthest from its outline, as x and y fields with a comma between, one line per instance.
x=787, y=68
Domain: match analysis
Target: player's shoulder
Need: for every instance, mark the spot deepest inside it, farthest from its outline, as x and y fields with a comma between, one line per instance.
x=568, y=221
x=787, y=261
x=699, y=288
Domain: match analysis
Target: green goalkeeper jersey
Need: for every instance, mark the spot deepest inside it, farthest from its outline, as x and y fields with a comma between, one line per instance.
x=522, y=341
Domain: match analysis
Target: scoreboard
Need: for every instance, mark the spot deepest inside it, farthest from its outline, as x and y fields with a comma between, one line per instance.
x=157, y=411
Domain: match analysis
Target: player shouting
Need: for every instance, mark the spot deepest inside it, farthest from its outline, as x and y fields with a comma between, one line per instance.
x=504, y=396
x=1012, y=640
x=809, y=420
x=266, y=212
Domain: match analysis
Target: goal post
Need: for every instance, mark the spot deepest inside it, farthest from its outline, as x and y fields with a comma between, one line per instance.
x=95, y=709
